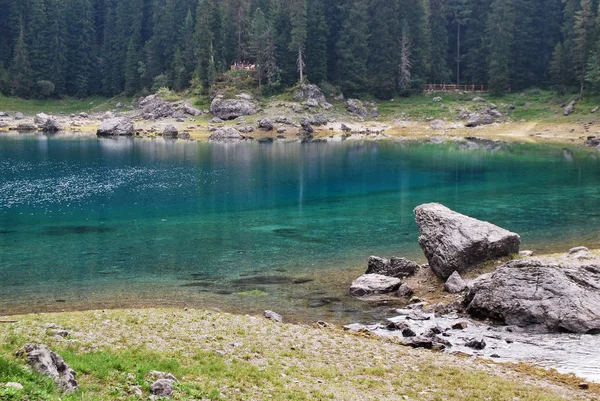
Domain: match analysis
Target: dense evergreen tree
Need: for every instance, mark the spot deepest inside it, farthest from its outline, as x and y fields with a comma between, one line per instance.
x=353, y=48
x=84, y=47
x=316, y=41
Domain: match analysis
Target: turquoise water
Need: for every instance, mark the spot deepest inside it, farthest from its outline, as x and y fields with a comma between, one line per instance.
x=88, y=223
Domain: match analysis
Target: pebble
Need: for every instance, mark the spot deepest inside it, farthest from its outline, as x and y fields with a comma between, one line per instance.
x=16, y=385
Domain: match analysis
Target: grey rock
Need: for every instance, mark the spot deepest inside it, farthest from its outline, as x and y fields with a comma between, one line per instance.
x=154, y=107
x=49, y=363
x=548, y=294
x=464, y=114
x=405, y=291
x=40, y=119
x=3, y=114
x=226, y=134
x=455, y=284
x=374, y=284
x=266, y=124
x=84, y=115
x=326, y=106
x=437, y=99
x=394, y=267
x=476, y=344
x=162, y=388
x=494, y=113
x=306, y=127
x=276, y=317
x=423, y=342
x=191, y=110
x=170, y=132
x=374, y=112
x=570, y=108
x=19, y=116
x=437, y=125
x=595, y=109
x=478, y=100
x=476, y=120
x=526, y=254
x=14, y=385
x=157, y=375
x=119, y=105
x=454, y=242
x=355, y=106
x=317, y=120
x=118, y=126
x=230, y=109
x=184, y=135
x=246, y=130
x=26, y=127
x=346, y=128
x=310, y=92
x=106, y=116
x=3, y=124
x=52, y=125
x=215, y=120
x=244, y=96
x=311, y=103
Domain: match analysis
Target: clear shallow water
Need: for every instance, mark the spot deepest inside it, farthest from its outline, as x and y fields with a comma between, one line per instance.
x=88, y=223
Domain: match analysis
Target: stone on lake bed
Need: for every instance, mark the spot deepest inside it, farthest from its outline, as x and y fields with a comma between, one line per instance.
x=374, y=284
x=454, y=242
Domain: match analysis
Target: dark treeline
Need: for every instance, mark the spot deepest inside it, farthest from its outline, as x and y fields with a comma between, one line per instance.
x=383, y=47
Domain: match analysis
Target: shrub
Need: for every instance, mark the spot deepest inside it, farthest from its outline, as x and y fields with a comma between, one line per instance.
x=45, y=89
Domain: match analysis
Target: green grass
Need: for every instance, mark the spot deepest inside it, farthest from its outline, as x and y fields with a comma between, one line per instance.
x=58, y=106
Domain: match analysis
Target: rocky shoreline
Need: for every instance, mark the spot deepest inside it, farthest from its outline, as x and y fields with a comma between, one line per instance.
x=495, y=314
x=309, y=117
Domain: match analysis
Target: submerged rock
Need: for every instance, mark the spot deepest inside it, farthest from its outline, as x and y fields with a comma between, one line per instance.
x=551, y=294
x=119, y=126
x=454, y=242
x=229, y=109
x=374, y=284
x=394, y=267
x=50, y=364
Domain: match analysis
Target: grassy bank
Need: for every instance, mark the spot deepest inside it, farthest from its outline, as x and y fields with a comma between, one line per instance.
x=58, y=106
x=227, y=357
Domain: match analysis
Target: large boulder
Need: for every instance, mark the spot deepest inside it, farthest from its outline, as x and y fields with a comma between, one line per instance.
x=170, y=132
x=191, y=110
x=50, y=364
x=374, y=284
x=454, y=242
x=229, y=109
x=355, y=106
x=570, y=108
x=40, y=119
x=394, y=267
x=549, y=294
x=310, y=92
x=119, y=126
x=226, y=134
x=52, y=125
x=153, y=107
x=475, y=120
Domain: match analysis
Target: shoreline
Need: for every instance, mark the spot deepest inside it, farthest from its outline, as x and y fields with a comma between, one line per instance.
x=305, y=357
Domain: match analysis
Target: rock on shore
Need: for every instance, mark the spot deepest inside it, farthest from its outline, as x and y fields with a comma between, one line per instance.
x=50, y=364
x=116, y=127
x=548, y=294
x=455, y=242
x=374, y=284
x=229, y=109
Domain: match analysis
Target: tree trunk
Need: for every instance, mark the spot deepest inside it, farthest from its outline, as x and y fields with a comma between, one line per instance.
x=457, y=53
x=301, y=65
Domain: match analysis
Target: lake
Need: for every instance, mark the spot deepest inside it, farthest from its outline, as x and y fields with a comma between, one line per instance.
x=89, y=223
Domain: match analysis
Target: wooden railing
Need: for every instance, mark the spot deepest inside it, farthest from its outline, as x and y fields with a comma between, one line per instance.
x=455, y=88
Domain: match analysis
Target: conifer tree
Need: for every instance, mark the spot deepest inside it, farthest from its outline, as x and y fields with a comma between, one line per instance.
x=405, y=65
x=179, y=75
x=438, y=22
x=383, y=47
x=21, y=73
x=298, y=34
x=204, y=44
x=499, y=35
x=583, y=30
x=259, y=36
x=316, y=41
x=353, y=48
x=55, y=69
x=132, y=60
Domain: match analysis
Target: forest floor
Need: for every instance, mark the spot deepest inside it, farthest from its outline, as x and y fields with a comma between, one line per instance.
x=218, y=356
x=533, y=116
